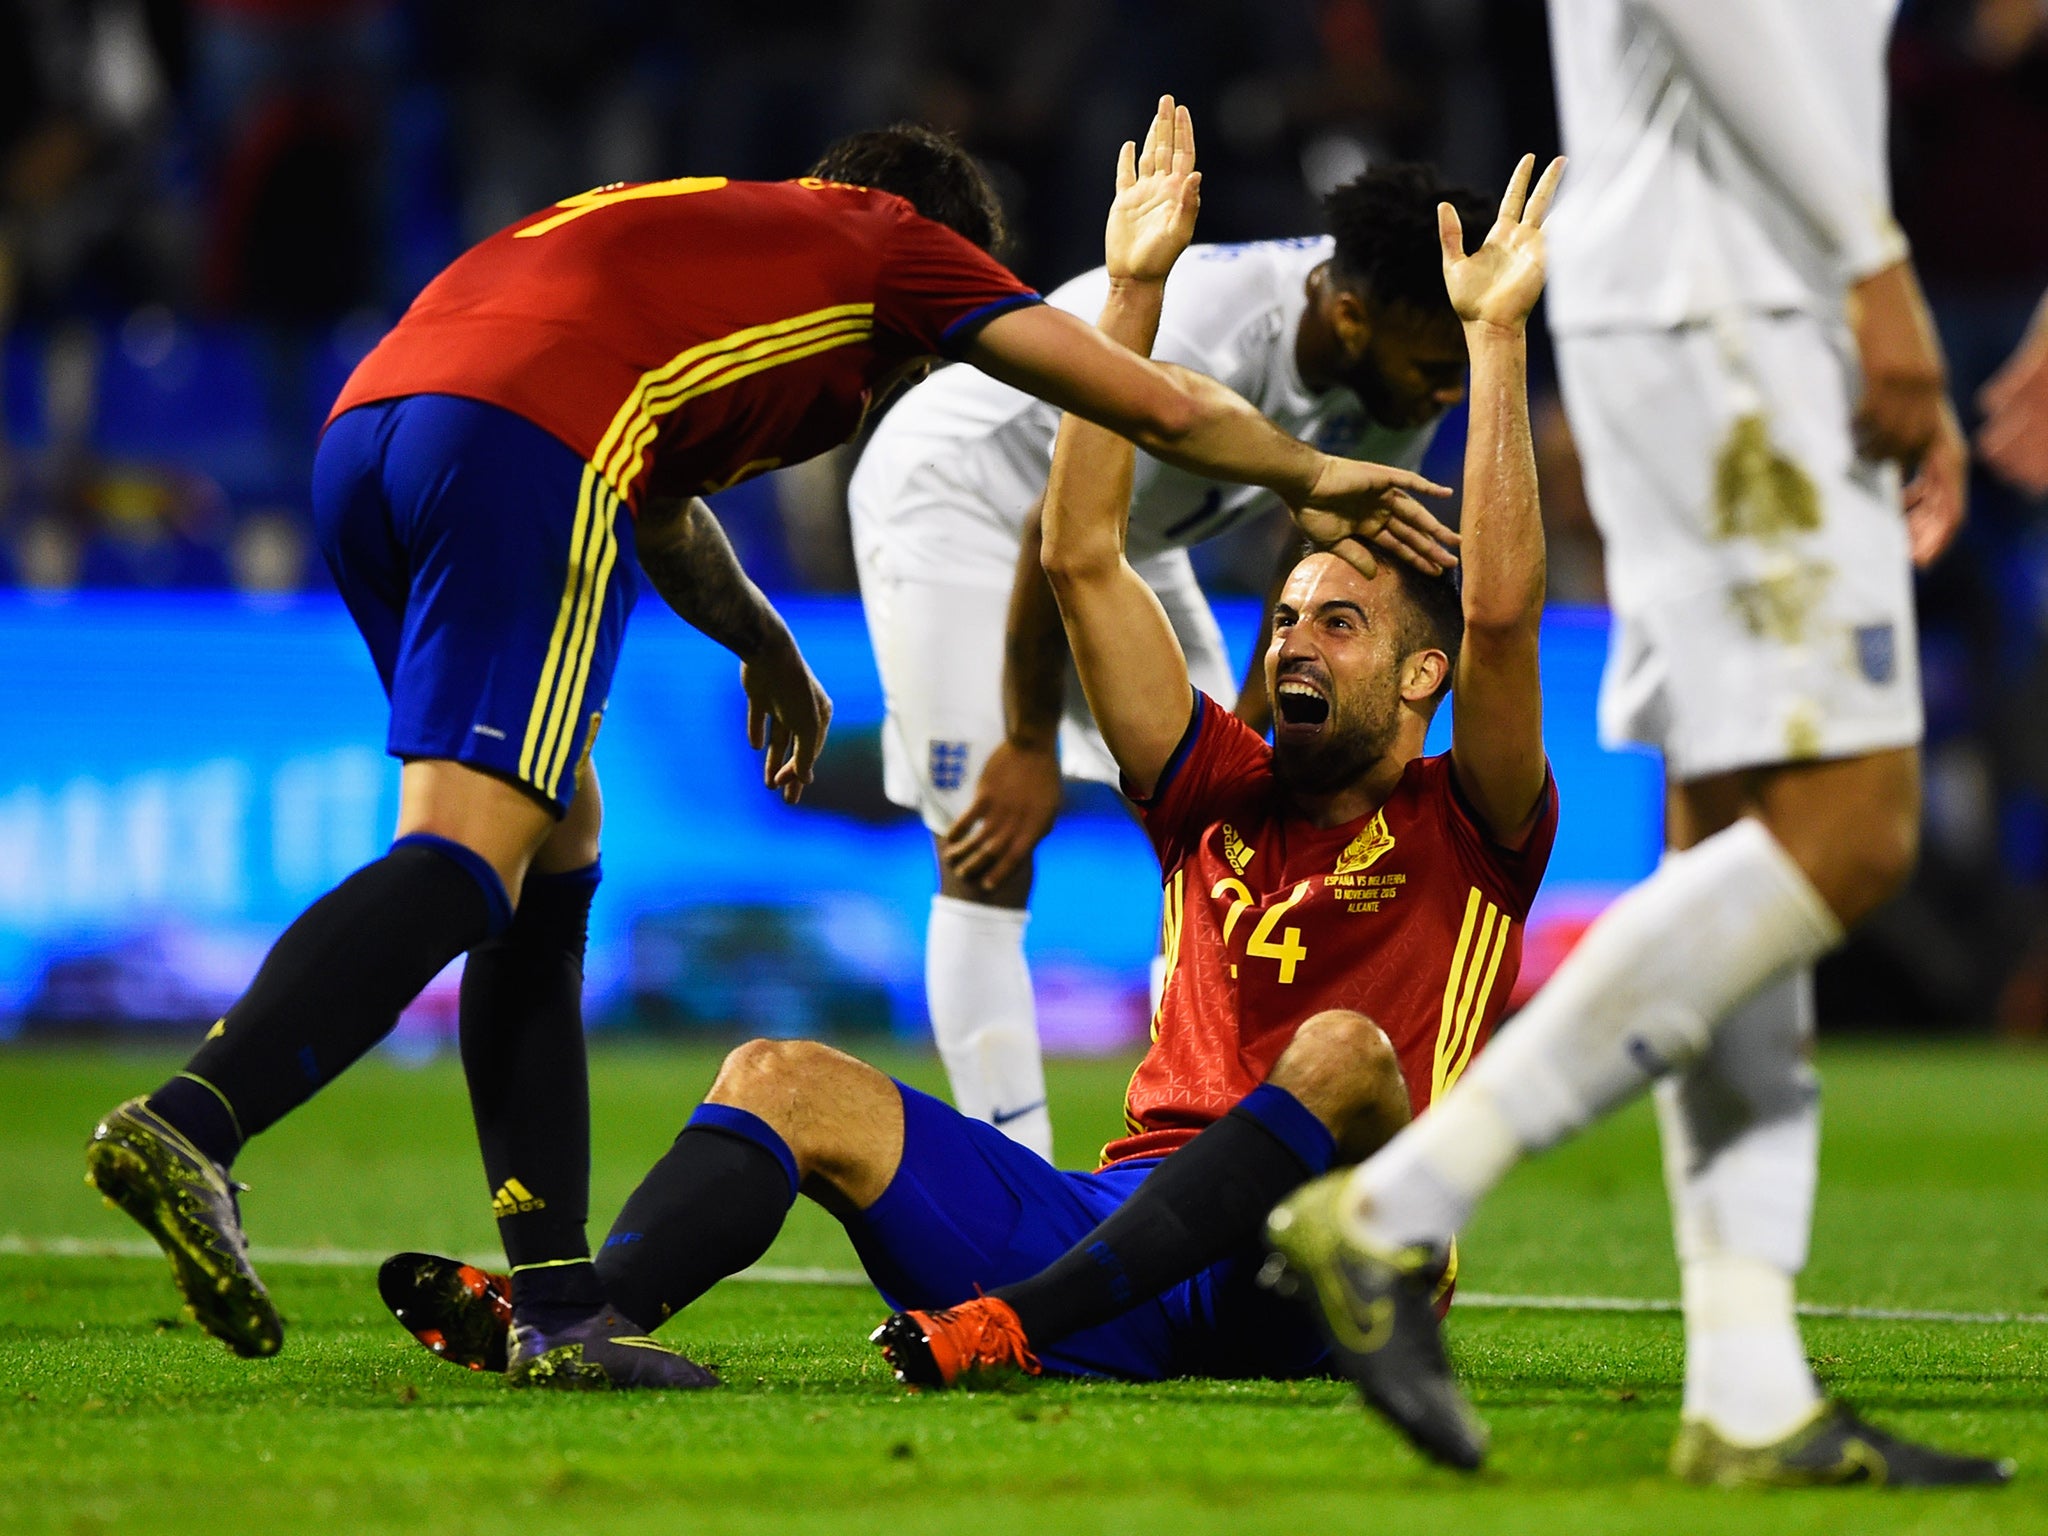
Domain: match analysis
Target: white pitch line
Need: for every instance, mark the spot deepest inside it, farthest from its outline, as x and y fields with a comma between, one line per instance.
x=13, y=1245
x=1491, y=1299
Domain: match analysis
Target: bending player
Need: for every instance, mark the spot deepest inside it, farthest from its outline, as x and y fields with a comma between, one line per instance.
x=1345, y=919
x=538, y=426
x=1345, y=340
x=1727, y=277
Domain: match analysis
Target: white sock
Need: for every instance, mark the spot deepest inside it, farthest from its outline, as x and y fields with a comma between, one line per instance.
x=1741, y=1134
x=1745, y=1368
x=1640, y=995
x=978, y=988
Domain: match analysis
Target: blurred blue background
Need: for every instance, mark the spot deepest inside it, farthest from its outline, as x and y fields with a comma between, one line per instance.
x=189, y=770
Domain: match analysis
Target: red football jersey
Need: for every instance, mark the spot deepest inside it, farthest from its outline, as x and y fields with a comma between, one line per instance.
x=1412, y=916
x=689, y=334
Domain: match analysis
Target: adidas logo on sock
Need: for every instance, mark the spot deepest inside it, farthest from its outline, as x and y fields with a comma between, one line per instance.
x=513, y=1199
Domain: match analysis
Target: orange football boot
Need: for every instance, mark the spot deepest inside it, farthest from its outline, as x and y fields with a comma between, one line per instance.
x=978, y=1343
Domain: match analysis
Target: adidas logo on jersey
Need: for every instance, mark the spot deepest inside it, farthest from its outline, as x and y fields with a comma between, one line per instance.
x=1236, y=850
x=513, y=1199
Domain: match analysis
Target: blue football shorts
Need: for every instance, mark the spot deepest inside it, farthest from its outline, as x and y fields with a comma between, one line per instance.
x=491, y=571
x=971, y=1208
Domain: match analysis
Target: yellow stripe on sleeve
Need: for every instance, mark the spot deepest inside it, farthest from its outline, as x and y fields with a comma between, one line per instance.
x=702, y=368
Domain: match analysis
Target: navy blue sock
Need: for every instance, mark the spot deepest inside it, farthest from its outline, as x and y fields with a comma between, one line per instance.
x=708, y=1209
x=331, y=987
x=1205, y=1203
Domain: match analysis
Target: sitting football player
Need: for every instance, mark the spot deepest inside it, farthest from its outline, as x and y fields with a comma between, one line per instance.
x=1344, y=925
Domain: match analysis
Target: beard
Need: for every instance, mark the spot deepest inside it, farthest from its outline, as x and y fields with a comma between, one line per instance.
x=1340, y=754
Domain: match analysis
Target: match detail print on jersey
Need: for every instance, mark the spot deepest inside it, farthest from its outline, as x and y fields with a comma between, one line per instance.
x=558, y=701
x=713, y=365
x=1474, y=964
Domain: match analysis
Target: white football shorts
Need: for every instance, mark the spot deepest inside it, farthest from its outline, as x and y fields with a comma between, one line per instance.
x=939, y=648
x=1757, y=566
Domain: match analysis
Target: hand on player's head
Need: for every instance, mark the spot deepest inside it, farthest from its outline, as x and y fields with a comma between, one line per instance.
x=1499, y=283
x=1158, y=194
x=1357, y=507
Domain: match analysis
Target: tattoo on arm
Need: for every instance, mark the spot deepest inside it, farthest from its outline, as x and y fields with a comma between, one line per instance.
x=691, y=563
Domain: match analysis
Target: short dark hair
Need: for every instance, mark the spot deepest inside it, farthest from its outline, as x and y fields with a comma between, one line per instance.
x=1432, y=611
x=1433, y=617
x=1385, y=224
x=926, y=168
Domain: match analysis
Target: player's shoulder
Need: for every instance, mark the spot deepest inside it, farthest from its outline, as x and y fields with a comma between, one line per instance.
x=1235, y=300
x=867, y=214
x=1276, y=265
x=1435, y=801
x=1218, y=755
x=1428, y=790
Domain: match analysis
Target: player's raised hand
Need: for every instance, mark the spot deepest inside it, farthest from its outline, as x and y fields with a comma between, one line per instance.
x=1356, y=506
x=1499, y=283
x=788, y=714
x=1158, y=193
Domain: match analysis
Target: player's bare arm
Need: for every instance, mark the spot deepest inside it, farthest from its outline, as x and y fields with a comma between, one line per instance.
x=1124, y=648
x=1017, y=797
x=1496, y=694
x=1018, y=794
x=691, y=563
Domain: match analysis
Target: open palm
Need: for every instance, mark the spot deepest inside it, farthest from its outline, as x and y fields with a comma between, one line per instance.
x=1499, y=283
x=1158, y=193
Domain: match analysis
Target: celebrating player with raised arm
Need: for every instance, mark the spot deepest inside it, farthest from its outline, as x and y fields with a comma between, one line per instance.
x=536, y=427
x=1346, y=925
x=1345, y=339
x=1746, y=359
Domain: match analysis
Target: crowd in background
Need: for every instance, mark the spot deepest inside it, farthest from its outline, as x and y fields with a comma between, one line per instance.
x=209, y=209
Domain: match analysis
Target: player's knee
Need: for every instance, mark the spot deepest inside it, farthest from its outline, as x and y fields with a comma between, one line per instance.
x=1345, y=1071
x=769, y=1077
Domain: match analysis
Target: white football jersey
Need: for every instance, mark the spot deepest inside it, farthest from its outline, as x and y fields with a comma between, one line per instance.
x=943, y=488
x=1726, y=155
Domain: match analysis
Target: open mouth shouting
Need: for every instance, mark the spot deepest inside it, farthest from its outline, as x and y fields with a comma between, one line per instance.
x=1301, y=706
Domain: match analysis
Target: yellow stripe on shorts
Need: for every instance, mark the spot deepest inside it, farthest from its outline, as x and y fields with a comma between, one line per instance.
x=593, y=547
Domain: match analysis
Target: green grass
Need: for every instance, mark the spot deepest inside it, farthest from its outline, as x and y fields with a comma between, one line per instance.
x=113, y=1415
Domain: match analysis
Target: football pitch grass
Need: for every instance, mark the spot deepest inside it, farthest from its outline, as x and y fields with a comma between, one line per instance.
x=115, y=1415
